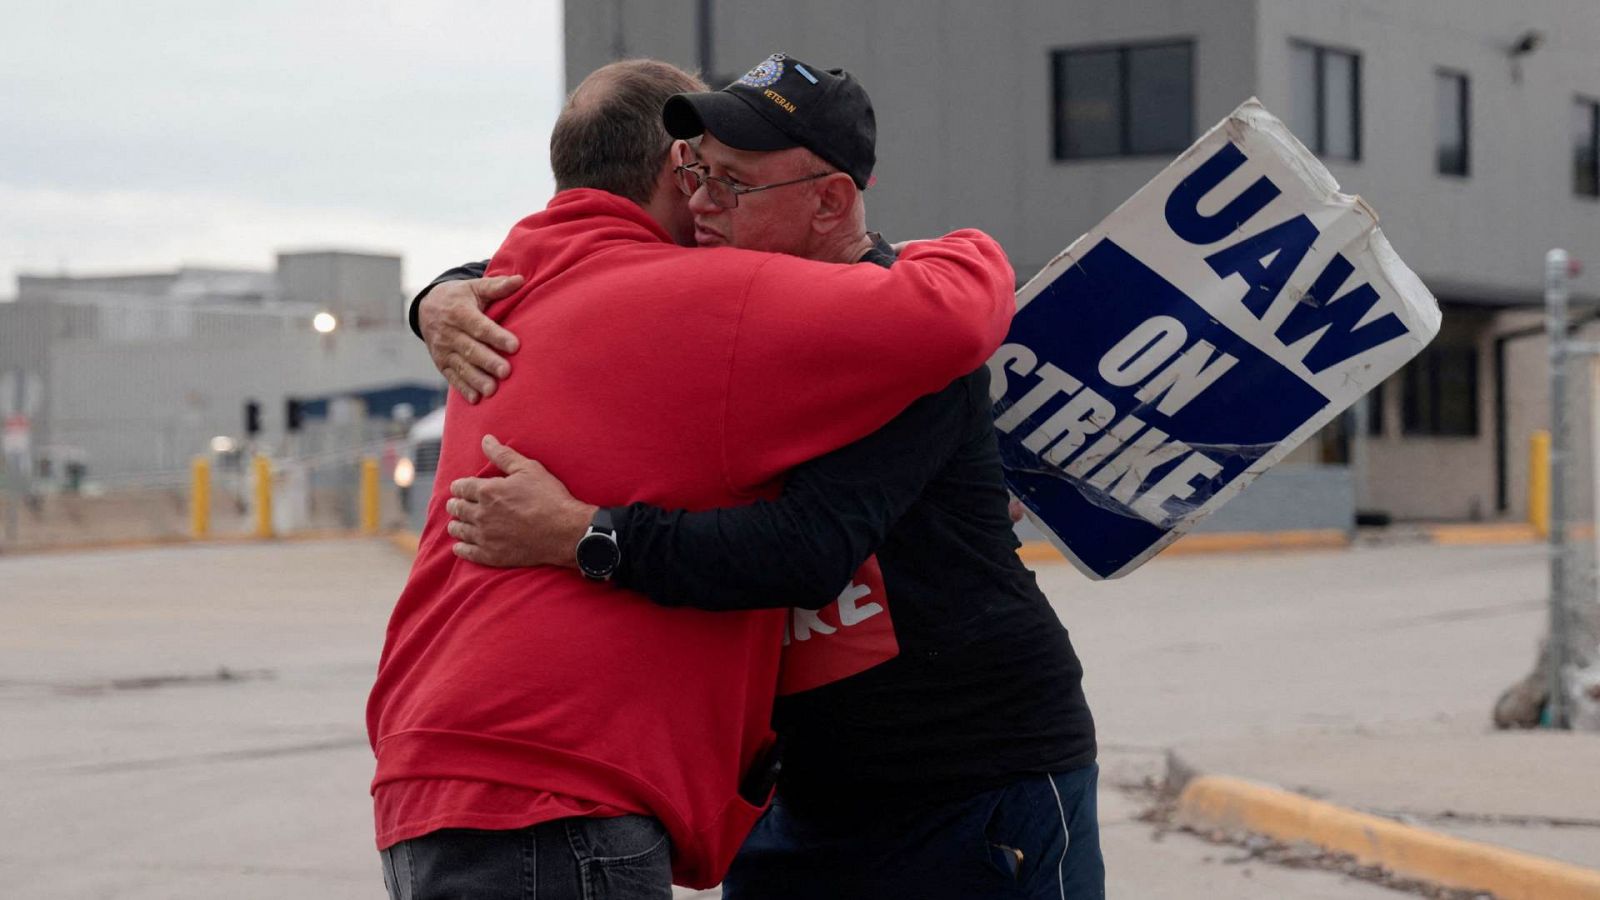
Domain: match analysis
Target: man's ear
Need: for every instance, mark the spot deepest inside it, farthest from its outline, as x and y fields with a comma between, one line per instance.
x=679, y=154
x=836, y=197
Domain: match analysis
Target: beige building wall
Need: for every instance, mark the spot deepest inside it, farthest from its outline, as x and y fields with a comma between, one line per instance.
x=1527, y=402
x=1414, y=476
x=1455, y=478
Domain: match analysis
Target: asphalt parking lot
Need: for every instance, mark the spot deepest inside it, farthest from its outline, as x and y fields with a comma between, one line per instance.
x=187, y=722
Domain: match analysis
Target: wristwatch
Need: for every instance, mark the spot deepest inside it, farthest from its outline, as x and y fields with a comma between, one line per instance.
x=598, y=553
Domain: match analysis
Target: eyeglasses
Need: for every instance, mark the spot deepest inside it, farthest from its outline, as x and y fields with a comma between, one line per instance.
x=723, y=192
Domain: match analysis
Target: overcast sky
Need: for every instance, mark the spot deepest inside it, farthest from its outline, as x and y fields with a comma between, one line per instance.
x=142, y=136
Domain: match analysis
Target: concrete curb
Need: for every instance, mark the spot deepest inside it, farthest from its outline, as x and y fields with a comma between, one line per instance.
x=1234, y=805
x=325, y=534
x=1443, y=535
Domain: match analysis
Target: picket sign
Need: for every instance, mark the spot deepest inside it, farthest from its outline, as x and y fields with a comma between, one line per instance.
x=1227, y=311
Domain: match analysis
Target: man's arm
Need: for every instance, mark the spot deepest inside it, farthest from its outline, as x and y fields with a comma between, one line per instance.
x=941, y=313
x=463, y=342
x=825, y=355
x=798, y=550
x=801, y=549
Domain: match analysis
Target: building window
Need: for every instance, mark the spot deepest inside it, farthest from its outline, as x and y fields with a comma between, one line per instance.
x=1586, y=147
x=1440, y=392
x=1123, y=101
x=1452, y=94
x=1325, y=90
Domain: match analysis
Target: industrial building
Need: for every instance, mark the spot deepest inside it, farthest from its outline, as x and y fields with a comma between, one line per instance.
x=1472, y=126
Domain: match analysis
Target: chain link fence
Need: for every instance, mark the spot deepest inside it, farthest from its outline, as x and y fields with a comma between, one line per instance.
x=332, y=480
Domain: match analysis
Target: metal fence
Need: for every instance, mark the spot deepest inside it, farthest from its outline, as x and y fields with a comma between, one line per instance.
x=328, y=486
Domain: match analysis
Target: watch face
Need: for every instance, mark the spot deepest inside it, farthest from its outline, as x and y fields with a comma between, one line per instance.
x=598, y=555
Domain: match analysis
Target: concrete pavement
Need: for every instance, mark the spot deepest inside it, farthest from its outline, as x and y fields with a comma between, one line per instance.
x=131, y=768
x=1234, y=660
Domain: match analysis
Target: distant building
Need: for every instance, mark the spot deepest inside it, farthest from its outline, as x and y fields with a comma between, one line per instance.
x=360, y=289
x=139, y=371
x=1472, y=126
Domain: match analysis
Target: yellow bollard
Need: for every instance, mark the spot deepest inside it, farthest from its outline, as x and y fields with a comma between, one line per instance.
x=200, y=498
x=263, y=477
x=369, y=495
x=1539, y=482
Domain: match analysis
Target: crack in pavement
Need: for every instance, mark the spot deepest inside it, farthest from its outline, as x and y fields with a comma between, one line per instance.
x=1467, y=818
x=222, y=675
x=1465, y=615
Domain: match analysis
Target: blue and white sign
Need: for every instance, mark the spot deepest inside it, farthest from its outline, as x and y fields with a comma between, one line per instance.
x=1223, y=314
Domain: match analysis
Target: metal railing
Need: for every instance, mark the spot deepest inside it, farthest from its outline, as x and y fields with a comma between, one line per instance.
x=337, y=489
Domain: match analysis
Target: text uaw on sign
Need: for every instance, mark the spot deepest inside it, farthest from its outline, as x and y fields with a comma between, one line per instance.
x=1224, y=313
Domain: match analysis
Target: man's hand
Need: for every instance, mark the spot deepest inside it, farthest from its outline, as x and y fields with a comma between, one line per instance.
x=526, y=518
x=462, y=340
x=1016, y=510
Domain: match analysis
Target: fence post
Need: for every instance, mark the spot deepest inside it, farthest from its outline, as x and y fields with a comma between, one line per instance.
x=200, y=498
x=1555, y=323
x=262, y=468
x=369, y=494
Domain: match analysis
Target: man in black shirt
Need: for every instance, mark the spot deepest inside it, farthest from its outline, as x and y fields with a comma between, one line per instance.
x=937, y=741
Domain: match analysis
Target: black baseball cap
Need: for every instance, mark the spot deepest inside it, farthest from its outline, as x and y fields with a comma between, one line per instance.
x=783, y=103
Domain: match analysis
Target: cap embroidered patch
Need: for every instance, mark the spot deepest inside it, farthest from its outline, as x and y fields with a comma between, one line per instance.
x=767, y=72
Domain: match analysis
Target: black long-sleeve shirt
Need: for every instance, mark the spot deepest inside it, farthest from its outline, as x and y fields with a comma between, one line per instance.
x=985, y=687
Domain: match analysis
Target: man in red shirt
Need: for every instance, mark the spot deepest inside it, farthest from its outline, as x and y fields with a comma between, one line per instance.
x=542, y=729
x=938, y=743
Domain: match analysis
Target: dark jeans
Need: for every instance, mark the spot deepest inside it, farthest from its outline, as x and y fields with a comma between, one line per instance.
x=1037, y=838
x=626, y=858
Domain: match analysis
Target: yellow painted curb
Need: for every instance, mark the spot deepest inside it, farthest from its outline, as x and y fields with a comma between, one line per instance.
x=405, y=541
x=1225, y=542
x=1214, y=801
x=1039, y=552
x=1501, y=533
x=1244, y=541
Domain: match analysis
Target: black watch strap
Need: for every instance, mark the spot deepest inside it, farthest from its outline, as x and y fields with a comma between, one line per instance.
x=597, y=552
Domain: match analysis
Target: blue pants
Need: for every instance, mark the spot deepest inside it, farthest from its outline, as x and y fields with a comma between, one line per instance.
x=625, y=858
x=1038, y=837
